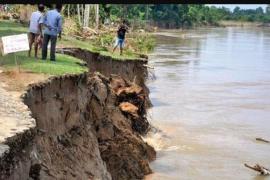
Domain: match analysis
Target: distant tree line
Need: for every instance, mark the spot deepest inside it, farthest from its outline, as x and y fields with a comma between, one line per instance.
x=161, y=15
x=181, y=15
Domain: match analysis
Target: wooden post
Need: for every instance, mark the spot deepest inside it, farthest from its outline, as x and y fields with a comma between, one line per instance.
x=16, y=62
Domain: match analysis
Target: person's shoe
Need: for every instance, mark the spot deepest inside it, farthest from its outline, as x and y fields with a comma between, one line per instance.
x=52, y=59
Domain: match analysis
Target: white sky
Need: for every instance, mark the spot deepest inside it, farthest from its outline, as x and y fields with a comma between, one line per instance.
x=242, y=6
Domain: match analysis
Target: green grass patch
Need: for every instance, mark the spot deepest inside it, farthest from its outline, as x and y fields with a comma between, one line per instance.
x=84, y=44
x=11, y=28
x=63, y=65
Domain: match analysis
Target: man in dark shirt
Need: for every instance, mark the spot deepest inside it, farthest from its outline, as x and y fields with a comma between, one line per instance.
x=53, y=27
x=121, y=37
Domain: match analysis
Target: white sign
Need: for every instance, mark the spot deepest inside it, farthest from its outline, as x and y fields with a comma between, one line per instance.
x=15, y=43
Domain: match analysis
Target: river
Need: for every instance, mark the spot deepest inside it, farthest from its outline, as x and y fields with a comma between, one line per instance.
x=211, y=99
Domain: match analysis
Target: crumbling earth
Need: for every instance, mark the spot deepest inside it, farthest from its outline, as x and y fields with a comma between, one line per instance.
x=82, y=131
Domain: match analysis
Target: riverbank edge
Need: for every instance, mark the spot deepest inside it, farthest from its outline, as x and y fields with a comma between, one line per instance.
x=19, y=143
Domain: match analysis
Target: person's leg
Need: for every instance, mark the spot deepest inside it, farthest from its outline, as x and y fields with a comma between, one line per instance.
x=116, y=44
x=36, y=44
x=53, y=46
x=31, y=41
x=121, y=46
x=46, y=39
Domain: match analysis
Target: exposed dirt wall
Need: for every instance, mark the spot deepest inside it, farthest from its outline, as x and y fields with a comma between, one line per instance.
x=81, y=132
x=88, y=126
x=130, y=69
x=134, y=70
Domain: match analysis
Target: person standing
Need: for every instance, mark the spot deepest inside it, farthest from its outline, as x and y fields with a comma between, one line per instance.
x=121, y=32
x=53, y=27
x=35, y=29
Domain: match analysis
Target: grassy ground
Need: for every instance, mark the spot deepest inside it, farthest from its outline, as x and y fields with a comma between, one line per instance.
x=68, y=41
x=63, y=65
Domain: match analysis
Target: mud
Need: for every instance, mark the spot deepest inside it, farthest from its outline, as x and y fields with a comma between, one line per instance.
x=82, y=131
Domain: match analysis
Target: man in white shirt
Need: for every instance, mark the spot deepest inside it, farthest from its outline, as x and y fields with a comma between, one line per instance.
x=35, y=29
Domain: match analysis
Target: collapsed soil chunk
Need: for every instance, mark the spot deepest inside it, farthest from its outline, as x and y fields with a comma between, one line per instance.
x=132, y=100
x=126, y=155
x=129, y=108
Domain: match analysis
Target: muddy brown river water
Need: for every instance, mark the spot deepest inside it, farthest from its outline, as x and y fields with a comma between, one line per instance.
x=211, y=99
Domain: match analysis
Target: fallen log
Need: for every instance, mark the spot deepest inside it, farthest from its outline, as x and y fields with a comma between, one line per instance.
x=263, y=140
x=87, y=29
x=262, y=170
x=76, y=36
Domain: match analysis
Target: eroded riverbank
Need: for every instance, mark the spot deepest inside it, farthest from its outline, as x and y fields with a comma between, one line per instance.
x=88, y=126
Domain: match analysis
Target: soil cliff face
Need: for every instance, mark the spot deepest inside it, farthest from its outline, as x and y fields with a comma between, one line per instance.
x=130, y=69
x=134, y=70
x=82, y=131
x=88, y=126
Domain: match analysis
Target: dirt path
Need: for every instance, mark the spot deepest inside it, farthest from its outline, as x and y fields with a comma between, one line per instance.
x=14, y=114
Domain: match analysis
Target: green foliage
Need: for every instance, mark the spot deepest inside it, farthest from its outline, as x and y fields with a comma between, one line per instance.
x=105, y=40
x=63, y=65
x=181, y=15
x=250, y=15
x=144, y=43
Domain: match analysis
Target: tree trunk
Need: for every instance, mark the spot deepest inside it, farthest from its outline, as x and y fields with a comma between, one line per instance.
x=97, y=15
x=124, y=11
x=68, y=10
x=86, y=15
x=79, y=14
x=82, y=13
x=147, y=11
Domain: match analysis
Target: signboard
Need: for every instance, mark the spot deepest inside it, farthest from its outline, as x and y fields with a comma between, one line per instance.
x=15, y=43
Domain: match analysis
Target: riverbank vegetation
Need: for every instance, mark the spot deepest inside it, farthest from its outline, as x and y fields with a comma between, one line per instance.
x=145, y=16
x=186, y=15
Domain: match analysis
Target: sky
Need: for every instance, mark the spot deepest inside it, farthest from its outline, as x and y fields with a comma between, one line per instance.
x=242, y=6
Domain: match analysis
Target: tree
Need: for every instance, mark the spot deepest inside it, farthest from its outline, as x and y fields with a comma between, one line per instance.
x=97, y=15
x=86, y=15
x=268, y=9
x=79, y=14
